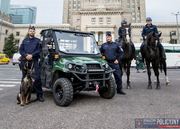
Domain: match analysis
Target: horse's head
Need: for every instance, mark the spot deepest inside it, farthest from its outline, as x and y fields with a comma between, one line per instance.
x=127, y=33
x=153, y=41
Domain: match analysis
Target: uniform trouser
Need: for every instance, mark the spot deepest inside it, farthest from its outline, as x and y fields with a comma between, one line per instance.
x=117, y=75
x=37, y=83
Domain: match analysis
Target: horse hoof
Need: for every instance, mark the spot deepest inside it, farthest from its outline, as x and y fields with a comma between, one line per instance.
x=158, y=87
x=128, y=87
x=149, y=87
x=167, y=83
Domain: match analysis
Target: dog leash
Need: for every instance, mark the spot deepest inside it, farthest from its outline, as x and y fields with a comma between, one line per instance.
x=27, y=65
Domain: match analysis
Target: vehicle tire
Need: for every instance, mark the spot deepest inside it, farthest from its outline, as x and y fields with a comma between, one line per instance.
x=13, y=64
x=108, y=91
x=63, y=92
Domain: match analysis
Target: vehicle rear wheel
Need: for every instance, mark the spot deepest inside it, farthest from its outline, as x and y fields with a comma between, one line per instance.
x=109, y=90
x=63, y=92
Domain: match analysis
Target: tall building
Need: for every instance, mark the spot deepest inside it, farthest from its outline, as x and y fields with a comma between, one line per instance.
x=103, y=16
x=23, y=14
x=4, y=6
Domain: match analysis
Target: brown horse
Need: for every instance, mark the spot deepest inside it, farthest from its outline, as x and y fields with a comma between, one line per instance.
x=152, y=55
x=128, y=53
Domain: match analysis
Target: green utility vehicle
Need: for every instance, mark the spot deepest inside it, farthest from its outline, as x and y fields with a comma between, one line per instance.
x=71, y=62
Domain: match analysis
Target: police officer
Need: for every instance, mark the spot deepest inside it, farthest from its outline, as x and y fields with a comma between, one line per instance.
x=30, y=50
x=123, y=23
x=111, y=50
x=148, y=28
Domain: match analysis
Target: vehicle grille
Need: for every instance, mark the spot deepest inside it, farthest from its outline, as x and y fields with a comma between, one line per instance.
x=93, y=66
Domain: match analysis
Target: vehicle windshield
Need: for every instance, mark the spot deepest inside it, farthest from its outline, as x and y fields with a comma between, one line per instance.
x=77, y=43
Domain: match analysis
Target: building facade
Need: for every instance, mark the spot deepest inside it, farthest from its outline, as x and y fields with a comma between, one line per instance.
x=23, y=14
x=5, y=6
x=103, y=16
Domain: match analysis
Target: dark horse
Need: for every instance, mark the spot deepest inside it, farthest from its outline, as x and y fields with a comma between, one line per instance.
x=152, y=55
x=163, y=66
x=128, y=54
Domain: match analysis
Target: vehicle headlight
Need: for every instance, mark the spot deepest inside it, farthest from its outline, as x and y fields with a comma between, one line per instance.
x=70, y=66
x=106, y=66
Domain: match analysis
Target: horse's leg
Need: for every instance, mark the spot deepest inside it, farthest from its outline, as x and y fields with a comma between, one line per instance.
x=149, y=75
x=155, y=80
x=128, y=75
x=165, y=72
x=157, y=74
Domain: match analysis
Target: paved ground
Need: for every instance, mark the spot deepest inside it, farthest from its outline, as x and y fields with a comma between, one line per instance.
x=88, y=110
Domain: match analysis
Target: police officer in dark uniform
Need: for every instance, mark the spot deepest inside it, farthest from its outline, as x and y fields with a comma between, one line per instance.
x=30, y=50
x=113, y=54
x=123, y=23
x=148, y=28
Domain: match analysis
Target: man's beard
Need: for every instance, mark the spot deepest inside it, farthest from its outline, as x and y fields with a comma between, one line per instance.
x=109, y=41
x=31, y=36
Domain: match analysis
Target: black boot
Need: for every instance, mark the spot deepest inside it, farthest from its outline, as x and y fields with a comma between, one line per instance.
x=133, y=51
x=162, y=53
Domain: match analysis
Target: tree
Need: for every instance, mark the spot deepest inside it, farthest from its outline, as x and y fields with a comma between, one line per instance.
x=171, y=40
x=27, y=35
x=10, y=47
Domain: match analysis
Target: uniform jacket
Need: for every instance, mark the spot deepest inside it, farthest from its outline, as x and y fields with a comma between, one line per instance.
x=148, y=29
x=30, y=46
x=112, y=51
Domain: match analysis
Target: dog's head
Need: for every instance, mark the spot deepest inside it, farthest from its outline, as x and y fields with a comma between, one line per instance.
x=31, y=74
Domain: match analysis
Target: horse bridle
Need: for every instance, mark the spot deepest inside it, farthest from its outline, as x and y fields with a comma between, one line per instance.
x=127, y=34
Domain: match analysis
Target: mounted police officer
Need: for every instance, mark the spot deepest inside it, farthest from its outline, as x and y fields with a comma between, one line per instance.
x=120, y=32
x=148, y=28
x=113, y=54
x=30, y=50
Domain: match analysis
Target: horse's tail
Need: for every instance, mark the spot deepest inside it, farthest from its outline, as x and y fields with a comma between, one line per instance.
x=161, y=66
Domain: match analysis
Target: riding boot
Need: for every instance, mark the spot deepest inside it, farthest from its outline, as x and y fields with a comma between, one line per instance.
x=133, y=51
x=141, y=50
x=162, y=53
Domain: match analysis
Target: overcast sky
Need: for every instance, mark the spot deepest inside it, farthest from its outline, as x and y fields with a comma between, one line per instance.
x=51, y=11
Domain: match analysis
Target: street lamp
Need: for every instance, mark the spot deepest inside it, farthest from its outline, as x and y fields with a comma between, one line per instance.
x=177, y=24
x=1, y=26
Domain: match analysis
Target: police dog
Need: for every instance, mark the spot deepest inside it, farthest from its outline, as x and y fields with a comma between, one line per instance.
x=26, y=88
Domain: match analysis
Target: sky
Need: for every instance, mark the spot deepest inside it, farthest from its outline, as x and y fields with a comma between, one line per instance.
x=51, y=11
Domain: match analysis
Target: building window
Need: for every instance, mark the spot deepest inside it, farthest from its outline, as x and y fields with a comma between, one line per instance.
x=173, y=32
x=138, y=13
x=174, y=41
x=17, y=33
x=128, y=8
x=132, y=3
x=69, y=4
x=69, y=14
x=100, y=19
x=77, y=27
x=133, y=18
x=133, y=13
x=79, y=4
x=70, y=0
x=133, y=8
x=108, y=19
x=74, y=0
x=78, y=20
x=16, y=41
x=78, y=0
x=6, y=32
x=93, y=0
x=139, y=18
x=109, y=0
x=69, y=9
x=100, y=37
x=128, y=3
x=74, y=4
x=138, y=8
x=74, y=9
x=79, y=9
x=93, y=19
x=137, y=3
x=69, y=19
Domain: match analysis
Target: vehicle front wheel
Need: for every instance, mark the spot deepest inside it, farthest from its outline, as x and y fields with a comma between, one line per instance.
x=108, y=91
x=63, y=92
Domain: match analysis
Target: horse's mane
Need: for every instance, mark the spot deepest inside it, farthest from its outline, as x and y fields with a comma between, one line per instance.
x=149, y=35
